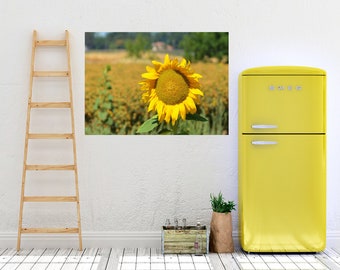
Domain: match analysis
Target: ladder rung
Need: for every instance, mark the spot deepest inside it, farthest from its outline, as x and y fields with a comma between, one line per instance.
x=50, y=73
x=50, y=199
x=49, y=230
x=50, y=136
x=51, y=42
x=49, y=167
x=50, y=105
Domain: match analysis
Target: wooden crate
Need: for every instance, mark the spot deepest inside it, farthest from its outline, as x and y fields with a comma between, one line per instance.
x=182, y=240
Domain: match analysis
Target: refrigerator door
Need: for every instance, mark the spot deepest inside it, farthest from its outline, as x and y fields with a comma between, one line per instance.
x=282, y=193
x=282, y=103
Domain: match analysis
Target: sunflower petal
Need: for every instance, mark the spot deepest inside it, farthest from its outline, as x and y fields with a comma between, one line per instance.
x=182, y=111
x=195, y=76
x=160, y=107
x=156, y=64
x=174, y=63
x=195, y=98
x=167, y=60
x=190, y=105
x=174, y=114
x=168, y=114
x=152, y=104
x=183, y=63
x=161, y=117
x=150, y=76
x=144, y=86
x=150, y=69
x=145, y=97
x=196, y=91
x=153, y=93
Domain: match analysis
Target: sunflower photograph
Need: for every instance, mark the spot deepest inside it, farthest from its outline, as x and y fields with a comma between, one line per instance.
x=156, y=83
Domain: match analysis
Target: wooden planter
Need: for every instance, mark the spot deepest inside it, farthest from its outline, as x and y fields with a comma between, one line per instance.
x=221, y=240
x=182, y=240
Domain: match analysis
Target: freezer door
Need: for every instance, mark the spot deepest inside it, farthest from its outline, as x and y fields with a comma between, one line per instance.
x=282, y=193
x=282, y=104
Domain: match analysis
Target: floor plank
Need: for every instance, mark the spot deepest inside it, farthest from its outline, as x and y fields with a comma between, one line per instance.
x=20, y=256
x=156, y=257
x=143, y=255
x=84, y=266
x=130, y=255
x=337, y=250
x=228, y=261
x=25, y=266
x=88, y=255
x=48, y=255
x=40, y=266
x=116, y=257
x=34, y=256
x=10, y=266
x=61, y=256
x=74, y=256
x=7, y=255
x=102, y=258
x=69, y=266
x=326, y=258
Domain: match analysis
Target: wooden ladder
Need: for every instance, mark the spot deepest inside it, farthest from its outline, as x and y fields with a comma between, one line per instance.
x=43, y=136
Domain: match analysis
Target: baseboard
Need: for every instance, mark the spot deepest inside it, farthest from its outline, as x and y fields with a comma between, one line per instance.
x=333, y=239
x=90, y=239
x=122, y=239
x=114, y=239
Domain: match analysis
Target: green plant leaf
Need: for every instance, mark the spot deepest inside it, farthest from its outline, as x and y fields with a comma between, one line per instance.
x=164, y=131
x=102, y=115
x=196, y=117
x=218, y=204
x=96, y=104
x=149, y=125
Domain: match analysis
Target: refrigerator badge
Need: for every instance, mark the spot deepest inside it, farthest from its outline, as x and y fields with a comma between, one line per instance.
x=282, y=87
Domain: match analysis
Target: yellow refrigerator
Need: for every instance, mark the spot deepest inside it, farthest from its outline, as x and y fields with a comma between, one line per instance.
x=282, y=159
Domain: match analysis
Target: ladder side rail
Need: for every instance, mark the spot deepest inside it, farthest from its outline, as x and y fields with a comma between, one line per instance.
x=28, y=119
x=74, y=137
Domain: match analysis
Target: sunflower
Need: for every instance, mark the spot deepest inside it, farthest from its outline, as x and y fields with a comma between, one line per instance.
x=171, y=89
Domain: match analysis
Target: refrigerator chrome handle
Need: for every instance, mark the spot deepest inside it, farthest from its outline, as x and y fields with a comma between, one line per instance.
x=264, y=142
x=263, y=126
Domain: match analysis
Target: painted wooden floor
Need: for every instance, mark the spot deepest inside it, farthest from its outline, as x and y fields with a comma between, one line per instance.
x=152, y=259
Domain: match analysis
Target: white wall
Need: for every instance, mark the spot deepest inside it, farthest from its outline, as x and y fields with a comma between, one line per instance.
x=131, y=184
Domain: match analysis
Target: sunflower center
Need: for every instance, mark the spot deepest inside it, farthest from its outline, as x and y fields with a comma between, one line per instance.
x=171, y=87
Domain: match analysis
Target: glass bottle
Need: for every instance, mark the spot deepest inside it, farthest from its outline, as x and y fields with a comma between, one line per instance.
x=167, y=223
x=176, y=223
x=198, y=244
x=184, y=220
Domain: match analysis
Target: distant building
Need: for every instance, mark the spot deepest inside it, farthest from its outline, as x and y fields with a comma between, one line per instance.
x=160, y=46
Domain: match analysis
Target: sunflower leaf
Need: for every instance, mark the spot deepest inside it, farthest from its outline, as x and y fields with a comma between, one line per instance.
x=164, y=131
x=149, y=125
x=196, y=117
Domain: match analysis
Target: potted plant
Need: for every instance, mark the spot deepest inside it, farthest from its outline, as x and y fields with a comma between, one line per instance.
x=221, y=240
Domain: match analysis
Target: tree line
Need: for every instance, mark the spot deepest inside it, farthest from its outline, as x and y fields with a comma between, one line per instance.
x=195, y=45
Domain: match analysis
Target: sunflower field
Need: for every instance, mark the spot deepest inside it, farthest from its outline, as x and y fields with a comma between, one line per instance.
x=113, y=97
